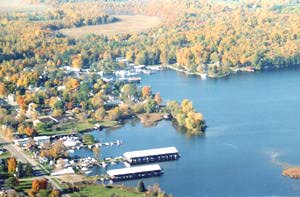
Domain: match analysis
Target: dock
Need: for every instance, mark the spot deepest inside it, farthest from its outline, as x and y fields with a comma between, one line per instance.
x=151, y=155
x=135, y=172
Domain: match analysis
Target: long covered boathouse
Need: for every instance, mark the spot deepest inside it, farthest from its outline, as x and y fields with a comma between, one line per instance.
x=134, y=172
x=151, y=155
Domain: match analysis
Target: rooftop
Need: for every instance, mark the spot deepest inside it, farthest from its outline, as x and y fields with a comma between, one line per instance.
x=150, y=152
x=132, y=170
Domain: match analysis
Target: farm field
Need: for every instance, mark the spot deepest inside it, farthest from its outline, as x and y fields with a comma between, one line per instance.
x=126, y=24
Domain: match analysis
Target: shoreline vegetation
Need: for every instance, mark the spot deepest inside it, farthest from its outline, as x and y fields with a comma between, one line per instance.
x=292, y=172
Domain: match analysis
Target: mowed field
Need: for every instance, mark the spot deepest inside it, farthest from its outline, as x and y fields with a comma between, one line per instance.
x=126, y=24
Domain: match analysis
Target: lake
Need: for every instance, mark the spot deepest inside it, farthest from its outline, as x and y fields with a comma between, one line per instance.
x=250, y=118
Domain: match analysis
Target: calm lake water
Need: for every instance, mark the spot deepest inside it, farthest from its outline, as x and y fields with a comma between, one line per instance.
x=250, y=118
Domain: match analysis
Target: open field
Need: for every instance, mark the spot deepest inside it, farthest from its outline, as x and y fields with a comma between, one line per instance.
x=126, y=24
x=19, y=6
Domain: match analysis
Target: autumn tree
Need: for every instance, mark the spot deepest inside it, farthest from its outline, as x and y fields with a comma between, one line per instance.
x=57, y=149
x=158, y=98
x=35, y=185
x=30, y=131
x=100, y=114
x=12, y=164
x=55, y=193
x=146, y=92
x=3, y=90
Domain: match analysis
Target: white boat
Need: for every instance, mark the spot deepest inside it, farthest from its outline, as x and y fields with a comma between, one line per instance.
x=88, y=172
x=203, y=75
x=84, y=169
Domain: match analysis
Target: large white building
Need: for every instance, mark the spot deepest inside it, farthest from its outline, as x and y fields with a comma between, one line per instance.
x=40, y=140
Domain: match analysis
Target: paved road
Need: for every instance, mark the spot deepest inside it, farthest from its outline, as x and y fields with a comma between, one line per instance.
x=21, y=156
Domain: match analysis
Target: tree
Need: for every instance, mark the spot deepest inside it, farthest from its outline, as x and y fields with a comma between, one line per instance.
x=28, y=170
x=114, y=114
x=146, y=92
x=141, y=186
x=57, y=149
x=157, y=98
x=20, y=169
x=77, y=61
x=12, y=164
x=35, y=187
x=55, y=193
x=2, y=89
x=150, y=106
x=30, y=131
x=43, y=183
x=72, y=84
x=186, y=106
x=89, y=139
x=100, y=113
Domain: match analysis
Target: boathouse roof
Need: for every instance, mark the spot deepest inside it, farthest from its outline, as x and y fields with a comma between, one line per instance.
x=133, y=170
x=150, y=152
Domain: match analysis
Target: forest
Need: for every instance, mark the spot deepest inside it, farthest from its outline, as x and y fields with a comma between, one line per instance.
x=198, y=36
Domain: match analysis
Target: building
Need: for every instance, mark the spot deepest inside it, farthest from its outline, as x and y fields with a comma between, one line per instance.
x=135, y=172
x=38, y=140
x=41, y=140
x=151, y=155
x=45, y=120
x=21, y=142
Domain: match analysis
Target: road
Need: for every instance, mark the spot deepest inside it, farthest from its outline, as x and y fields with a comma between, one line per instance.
x=24, y=158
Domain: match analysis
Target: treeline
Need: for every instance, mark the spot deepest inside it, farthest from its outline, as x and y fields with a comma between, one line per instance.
x=198, y=35
x=65, y=16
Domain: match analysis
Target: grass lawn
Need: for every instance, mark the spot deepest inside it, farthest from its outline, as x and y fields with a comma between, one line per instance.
x=5, y=155
x=73, y=127
x=24, y=186
x=66, y=128
x=101, y=191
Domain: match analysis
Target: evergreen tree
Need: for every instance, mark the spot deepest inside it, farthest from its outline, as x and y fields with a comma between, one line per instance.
x=141, y=186
x=20, y=168
x=28, y=170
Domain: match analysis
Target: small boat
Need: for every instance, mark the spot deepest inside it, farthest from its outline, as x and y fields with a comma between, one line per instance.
x=88, y=172
x=84, y=169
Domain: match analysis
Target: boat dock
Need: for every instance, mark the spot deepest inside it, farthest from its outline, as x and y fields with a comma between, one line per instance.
x=134, y=172
x=151, y=155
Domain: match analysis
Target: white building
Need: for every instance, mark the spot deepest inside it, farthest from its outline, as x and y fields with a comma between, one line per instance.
x=21, y=142
x=40, y=140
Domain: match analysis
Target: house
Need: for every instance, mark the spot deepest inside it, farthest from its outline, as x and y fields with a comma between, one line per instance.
x=62, y=119
x=38, y=140
x=45, y=120
x=11, y=98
